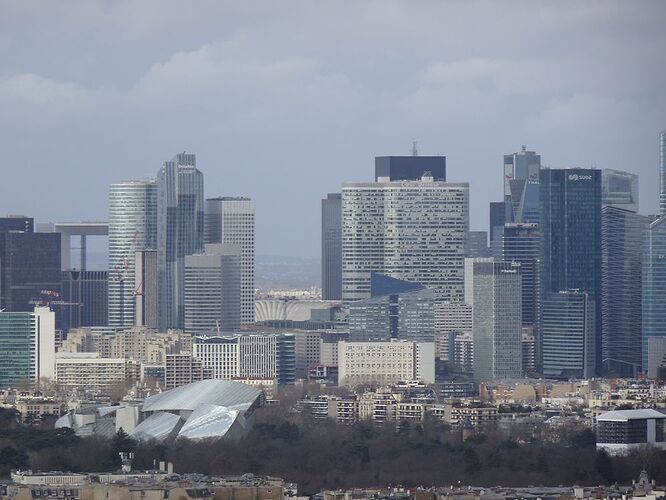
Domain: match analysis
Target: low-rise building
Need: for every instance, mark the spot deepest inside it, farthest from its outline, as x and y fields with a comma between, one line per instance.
x=620, y=431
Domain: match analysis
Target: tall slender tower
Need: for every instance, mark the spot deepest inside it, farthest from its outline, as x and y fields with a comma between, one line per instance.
x=662, y=172
x=331, y=247
x=132, y=227
x=179, y=232
x=230, y=220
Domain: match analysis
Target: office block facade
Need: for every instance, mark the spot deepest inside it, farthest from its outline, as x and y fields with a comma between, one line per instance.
x=29, y=269
x=493, y=289
x=521, y=185
x=520, y=243
x=411, y=230
x=19, y=223
x=230, y=220
x=497, y=219
x=180, y=232
x=86, y=299
x=146, y=296
x=571, y=236
x=212, y=289
x=410, y=168
x=619, y=189
x=477, y=245
x=662, y=173
x=621, y=285
x=331, y=247
x=568, y=335
x=132, y=227
x=654, y=282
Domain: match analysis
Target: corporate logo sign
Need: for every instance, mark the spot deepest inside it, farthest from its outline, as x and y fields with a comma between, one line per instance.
x=579, y=177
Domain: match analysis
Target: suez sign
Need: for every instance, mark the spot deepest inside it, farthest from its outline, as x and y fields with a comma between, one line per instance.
x=579, y=177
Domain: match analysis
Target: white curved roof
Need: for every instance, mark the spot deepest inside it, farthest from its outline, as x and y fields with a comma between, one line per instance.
x=289, y=310
x=232, y=395
x=211, y=421
x=160, y=426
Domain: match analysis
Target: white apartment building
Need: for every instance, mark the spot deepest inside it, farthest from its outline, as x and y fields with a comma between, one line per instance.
x=89, y=371
x=385, y=362
x=412, y=230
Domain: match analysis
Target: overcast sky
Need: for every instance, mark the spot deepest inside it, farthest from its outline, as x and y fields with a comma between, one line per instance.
x=283, y=101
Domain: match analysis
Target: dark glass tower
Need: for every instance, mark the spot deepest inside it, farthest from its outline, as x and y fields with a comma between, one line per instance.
x=521, y=185
x=331, y=247
x=571, y=236
x=662, y=172
x=410, y=168
x=85, y=295
x=621, y=318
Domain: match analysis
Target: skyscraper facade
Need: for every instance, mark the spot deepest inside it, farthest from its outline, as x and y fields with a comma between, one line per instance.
x=331, y=247
x=654, y=283
x=493, y=290
x=621, y=285
x=86, y=299
x=132, y=227
x=29, y=269
x=568, y=335
x=571, y=236
x=180, y=232
x=662, y=172
x=520, y=243
x=521, y=185
x=146, y=296
x=409, y=168
x=230, y=220
x=477, y=245
x=619, y=189
x=212, y=289
x=412, y=230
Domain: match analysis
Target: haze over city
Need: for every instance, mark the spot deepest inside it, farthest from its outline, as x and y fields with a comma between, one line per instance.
x=284, y=101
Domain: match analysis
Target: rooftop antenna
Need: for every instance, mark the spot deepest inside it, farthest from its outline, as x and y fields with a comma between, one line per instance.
x=415, y=151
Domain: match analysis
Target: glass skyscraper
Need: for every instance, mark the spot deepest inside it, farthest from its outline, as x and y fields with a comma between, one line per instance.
x=662, y=172
x=521, y=185
x=132, y=227
x=619, y=189
x=180, y=232
x=621, y=265
x=654, y=282
x=331, y=247
x=571, y=236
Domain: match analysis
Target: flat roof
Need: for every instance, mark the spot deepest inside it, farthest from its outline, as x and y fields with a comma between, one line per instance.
x=625, y=415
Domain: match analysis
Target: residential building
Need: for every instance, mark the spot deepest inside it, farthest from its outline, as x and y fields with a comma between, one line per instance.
x=219, y=355
x=619, y=189
x=86, y=299
x=571, y=237
x=132, y=227
x=146, y=296
x=463, y=352
x=27, y=341
x=397, y=309
x=521, y=185
x=212, y=289
x=493, y=289
x=385, y=362
x=90, y=372
x=410, y=168
x=180, y=232
x=182, y=369
x=620, y=431
x=621, y=286
x=654, y=277
x=411, y=230
x=529, y=352
x=568, y=335
x=331, y=247
x=230, y=220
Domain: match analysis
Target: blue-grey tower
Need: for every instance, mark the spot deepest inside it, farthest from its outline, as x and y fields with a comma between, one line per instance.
x=570, y=201
x=180, y=232
x=662, y=172
x=331, y=247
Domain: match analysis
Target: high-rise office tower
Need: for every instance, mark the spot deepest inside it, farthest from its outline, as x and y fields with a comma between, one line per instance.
x=520, y=243
x=86, y=300
x=621, y=289
x=497, y=219
x=521, y=185
x=619, y=189
x=212, y=289
x=409, y=168
x=571, y=236
x=412, y=230
x=662, y=172
x=230, y=220
x=331, y=247
x=29, y=265
x=477, y=244
x=654, y=280
x=27, y=341
x=493, y=290
x=146, y=296
x=180, y=232
x=132, y=227
x=568, y=335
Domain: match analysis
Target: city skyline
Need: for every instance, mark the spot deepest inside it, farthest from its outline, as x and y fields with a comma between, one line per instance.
x=258, y=105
